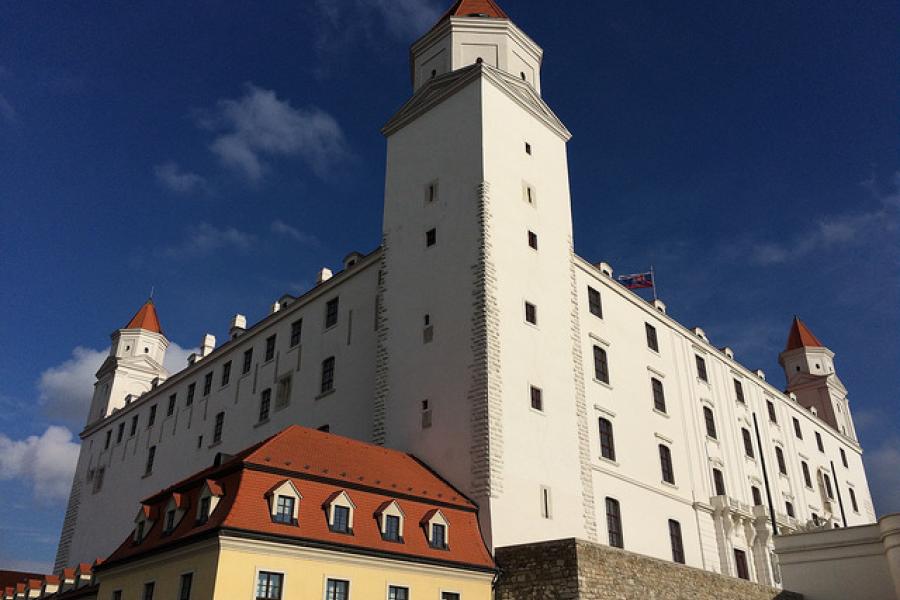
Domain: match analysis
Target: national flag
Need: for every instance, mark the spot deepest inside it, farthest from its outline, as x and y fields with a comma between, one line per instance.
x=637, y=281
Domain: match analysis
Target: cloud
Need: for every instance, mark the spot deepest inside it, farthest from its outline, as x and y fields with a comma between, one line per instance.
x=171, y=176
x=6, y=109
x=46, y=462
x=259, y=126
x=205, y=239
x=282, y=228
x=883, y=469
x=403, y=19
x=65, y=390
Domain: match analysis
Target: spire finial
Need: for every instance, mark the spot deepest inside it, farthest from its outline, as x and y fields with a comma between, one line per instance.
x=150, y=299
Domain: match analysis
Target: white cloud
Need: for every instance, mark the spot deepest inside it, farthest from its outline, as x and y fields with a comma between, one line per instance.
x=282, y=228
x=171, y=176
x=403, y=19
x=65, y=390
x=205, y=239
x=259, y=126
x=46, y=462
x=883, y=469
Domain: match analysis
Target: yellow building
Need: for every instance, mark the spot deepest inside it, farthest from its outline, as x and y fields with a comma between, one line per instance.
x=306, y=515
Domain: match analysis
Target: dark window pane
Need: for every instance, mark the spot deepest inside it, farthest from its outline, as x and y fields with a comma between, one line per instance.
x=701, y=368
x=331, y=313
x=748, y=442
x=296, y=329
x=614, y=523
x=607, y=444
x=601, y=365
x=718, y=482
x=665, y=461
x=739, y=391
x=710, y=421
x=652, y=341
x=594, y=303
x=327, y=375
x=659, y=396
x=675, y=538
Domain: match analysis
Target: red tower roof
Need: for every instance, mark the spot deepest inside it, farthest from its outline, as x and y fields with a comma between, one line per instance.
x=145, y=318
x=801, y=337
x=475, y=8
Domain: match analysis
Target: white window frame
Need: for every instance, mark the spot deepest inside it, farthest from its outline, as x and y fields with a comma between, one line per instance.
x=259, y=570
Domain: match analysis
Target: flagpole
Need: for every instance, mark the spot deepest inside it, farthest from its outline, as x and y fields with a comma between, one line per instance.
x=653, y=279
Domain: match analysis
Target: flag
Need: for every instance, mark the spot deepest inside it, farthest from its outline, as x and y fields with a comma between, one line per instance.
x=637, y=281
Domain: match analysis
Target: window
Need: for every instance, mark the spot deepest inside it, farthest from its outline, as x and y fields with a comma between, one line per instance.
x=659, y=396
x=529, y=194
x=595, y=305
x=117, y=595
x=531, y=313
x=431, y=237
x=284, y=510
x=265, y=399
x=327, y=375
x=296, y=330
x=226, y=373
x=797, y=431
x=170, y=521
x=527, y=148
x=190, y=394
x=740, y=563
x=853, y=500
x=392, y=528
x=337, y=589
x=652, y=341
x=718, y=482
x=426, y=415
x=748, y=442
x=779, y=457
x=710, y=422
x=120, y=433
x=789, y=508
x=701, y=368
x=108, y=438
x=438, y=536
x=152, y=418
x=807, y=478
x=270, y=347
x=203, y=514
x=170, y=409
x=331, y=313
x=770, y=406
x=819, y=443
x=537, y=398
x=739, y=391
x=398, y=593
x=675, y=538
x=828, y=489
x=134, y=424
x=207, y=383
x=545, y=502
x=248, y=361
x=98, y=479
x=665, y=462
x=532, y=239
x=844, y=458
x=601, y=365
x=449, y=596
x=149, y=588
x=341, y=519
x=614, y=523
x=757, y=495
x=431, y=189
x=268, y=586
x=184, y=590
x=151, y=455
x=428, y=330
x=607, y=444
x=283, y=395
x=815, y=519
x=217, y=430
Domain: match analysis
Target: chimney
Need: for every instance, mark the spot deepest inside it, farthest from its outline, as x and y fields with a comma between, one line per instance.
x=659, y=305
x=699, y=333
x=323, y=275
x=761, y=374
x=605, y=268
x=728, y=352
x=238, y=325
x=207, y=345
x=192, y=358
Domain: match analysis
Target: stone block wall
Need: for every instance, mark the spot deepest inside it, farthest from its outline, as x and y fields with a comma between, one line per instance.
x=573, y=569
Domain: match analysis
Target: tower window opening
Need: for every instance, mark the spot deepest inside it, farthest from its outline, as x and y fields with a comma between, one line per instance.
x=479, y=60
x=527, y=148
x=522, y=73
x=431, y=237
x=433, y=73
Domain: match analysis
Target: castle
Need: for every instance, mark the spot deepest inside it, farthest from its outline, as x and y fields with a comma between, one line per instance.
x=560, y=402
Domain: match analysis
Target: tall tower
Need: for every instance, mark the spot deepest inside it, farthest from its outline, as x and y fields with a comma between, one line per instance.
x=479, y=367
x=809, y=369
x=134, y=364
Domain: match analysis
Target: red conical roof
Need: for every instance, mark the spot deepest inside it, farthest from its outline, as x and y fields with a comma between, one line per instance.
x=801, y=337
x=473, y=8
x=145, y=318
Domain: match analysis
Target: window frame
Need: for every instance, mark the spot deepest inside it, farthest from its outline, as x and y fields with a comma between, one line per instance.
x=709, y=420
x=676, y=542
x=265, y=405
x=218, y=426
x=614, y=531
x=607, y=439
x=779, y=459
x=747, y=437
x=185, y=578
x=536, y=398
x=531, y=313
x=247, y=363
x=326, y=382
x=719, y=487
x=770, y=408
x=601, y=364
x=595, y=302
x=271, y=343
x=332, y=312
x=284, y=511
x=702, y=372
x=659, y=395
x=296, y=333
x=739, y=390
x=269, y=575
x=652, y=337
x=665, y=463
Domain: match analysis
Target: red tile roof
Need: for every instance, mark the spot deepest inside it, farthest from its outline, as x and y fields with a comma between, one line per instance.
x=801, y=337
x=145, y=318
x=34, y=584
x=320, y=465
x=10, y=578
x=471, y=8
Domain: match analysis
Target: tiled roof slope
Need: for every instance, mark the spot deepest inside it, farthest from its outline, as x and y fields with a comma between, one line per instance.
x=145, y=318
x=801, y=337
x=467, y=8
x=320, y=464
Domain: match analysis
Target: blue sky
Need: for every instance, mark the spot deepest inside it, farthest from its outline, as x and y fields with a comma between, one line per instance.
x=222, y=152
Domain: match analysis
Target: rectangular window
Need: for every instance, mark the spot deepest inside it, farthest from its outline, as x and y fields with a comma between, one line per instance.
x=152, y=418
x=117, y=595
x=607, y=443
x=151, y=455
x=392, y=528
x=438, y=536
x=770, y=406
x=283, y=394
x=665, y=463
x=748, y=442
x=659, y=396
x=331, y=313
x=431, y=237
x=340, y=519
x=739, y=391
x=718, y=482
x=268, y=585
x=284, y=510
x=248, y=361
x=149, y=588
x=120, y=433
x=853, y=499
x=789, y=509
x=545, y=502
x=527, y=148
x=531, y=313
x=701, y=368
x=828, y=489
x=652, y=341
x=819, y=443
x=601, y=365
x=398, y=593
x=797, y=431
x=537, y=398
x=203, y=516
x=190, y=394
x=270, y=347
x=807, y=478
x=184, y=590
x=170, y=409
x=134, y=424
x=296, y=330
x=614, y=523
x=226, y=373
x=108, y=438
x=265, y=399
x=337, y=589
x=217, y=430
x=207, y=383
x=431, y=192
x=779, y=457
x=327, y=375
x=595, y=305
x=675, y=538
x=170, y=522
x=532, y=239
x=740, y=563
x=710, y=421
x=449, y=596
x=844, y=458
x=757, y=496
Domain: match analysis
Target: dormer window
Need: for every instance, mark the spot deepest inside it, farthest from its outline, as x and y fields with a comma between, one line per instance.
x=340, y=510
x=438, y=536
x=284, y=510
x=284, y=502
x=174, y=511
x=340, y=519
x=436, y=529
x=170, y=521
x=143, y=522
x=390, y=521
x=203, y=510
